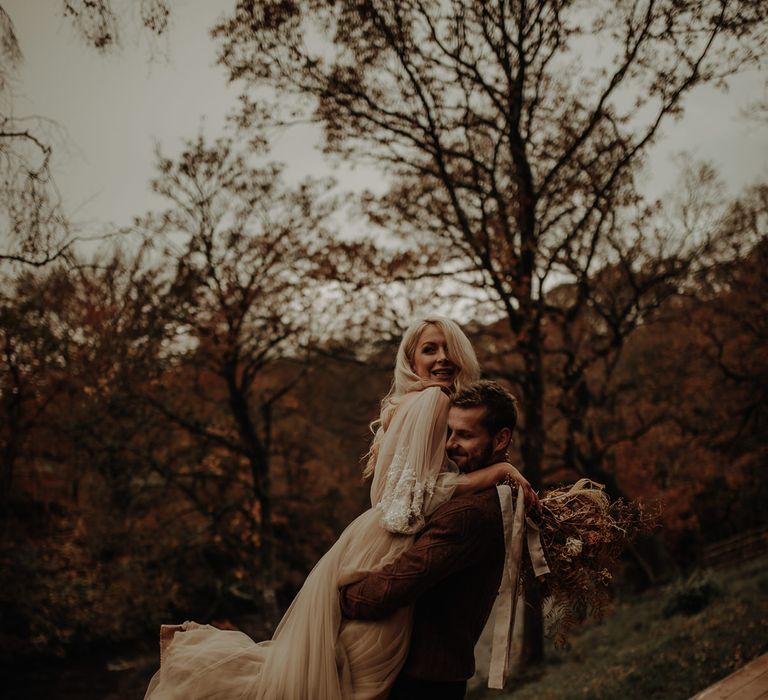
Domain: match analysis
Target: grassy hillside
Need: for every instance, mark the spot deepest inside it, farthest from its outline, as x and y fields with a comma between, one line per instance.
x=658, y=645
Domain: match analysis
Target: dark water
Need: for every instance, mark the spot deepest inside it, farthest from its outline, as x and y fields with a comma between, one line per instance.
x=120, y=673
x=80, y=679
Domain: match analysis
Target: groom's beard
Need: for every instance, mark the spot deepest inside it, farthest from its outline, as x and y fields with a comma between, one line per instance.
x=474, y=461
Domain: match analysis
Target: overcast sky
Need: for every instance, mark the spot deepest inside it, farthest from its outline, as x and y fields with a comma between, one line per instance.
x=113, y=108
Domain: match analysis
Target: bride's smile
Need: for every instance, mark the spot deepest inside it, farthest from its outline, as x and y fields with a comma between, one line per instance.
x=431, y=360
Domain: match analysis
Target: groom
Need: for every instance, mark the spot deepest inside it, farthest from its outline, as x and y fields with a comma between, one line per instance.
x=453, y=570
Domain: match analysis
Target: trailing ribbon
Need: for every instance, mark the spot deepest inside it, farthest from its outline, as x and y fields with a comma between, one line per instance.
x=535, y=550
x=515, y=522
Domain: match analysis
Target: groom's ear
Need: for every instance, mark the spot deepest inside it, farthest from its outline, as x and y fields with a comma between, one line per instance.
x=501, y=440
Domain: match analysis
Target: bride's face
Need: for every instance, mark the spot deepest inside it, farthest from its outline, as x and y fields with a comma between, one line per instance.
x=431, y=360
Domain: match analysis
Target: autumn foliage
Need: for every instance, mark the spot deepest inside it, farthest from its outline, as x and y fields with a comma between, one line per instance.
x=182, y=415
x=128, y=501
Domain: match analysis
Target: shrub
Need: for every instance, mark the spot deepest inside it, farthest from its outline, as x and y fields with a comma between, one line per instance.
x=691, y=595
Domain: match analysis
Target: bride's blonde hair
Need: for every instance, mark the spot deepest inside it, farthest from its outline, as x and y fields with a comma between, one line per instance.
x=405, y=379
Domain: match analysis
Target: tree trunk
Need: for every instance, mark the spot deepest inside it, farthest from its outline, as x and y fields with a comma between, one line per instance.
x=532, y=435
x=532, y=448
x=267, y=558
x=533, y=625
x=258, y=455
x=9, y=454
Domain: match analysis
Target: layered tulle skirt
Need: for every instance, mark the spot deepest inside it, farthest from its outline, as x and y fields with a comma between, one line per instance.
x=314, y=653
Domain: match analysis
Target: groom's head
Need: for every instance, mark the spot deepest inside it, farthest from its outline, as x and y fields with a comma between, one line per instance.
x=480, y=425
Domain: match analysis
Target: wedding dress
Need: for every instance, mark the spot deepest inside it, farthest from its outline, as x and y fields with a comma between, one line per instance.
x=314, y=653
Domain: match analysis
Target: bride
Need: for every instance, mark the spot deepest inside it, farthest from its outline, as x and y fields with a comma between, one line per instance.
x=314, y=653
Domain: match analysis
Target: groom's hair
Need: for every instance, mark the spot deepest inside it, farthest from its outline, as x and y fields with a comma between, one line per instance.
x=500, y=406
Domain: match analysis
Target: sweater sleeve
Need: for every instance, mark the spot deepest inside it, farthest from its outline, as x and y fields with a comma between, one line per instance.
x=456, y=537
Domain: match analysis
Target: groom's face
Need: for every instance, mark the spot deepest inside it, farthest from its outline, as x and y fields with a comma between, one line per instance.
x=469, y=444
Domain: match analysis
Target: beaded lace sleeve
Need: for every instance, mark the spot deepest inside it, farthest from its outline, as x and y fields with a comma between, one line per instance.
x=412, y=476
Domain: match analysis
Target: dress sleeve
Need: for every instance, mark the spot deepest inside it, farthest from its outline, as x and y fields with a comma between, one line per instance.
x=412, y=476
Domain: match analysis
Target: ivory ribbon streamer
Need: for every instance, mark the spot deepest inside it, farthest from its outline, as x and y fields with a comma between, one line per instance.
x=514, y=521
x=514, y=528
x=535, y=550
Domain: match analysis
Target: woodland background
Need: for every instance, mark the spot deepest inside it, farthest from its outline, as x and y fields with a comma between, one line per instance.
x=184, y=409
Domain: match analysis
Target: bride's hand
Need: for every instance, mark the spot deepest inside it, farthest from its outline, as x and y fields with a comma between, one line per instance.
x=511, y=473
